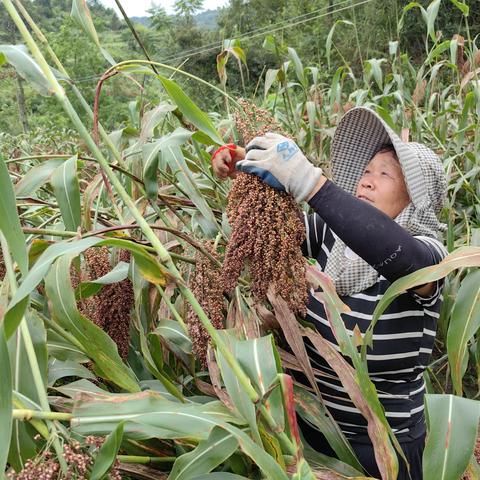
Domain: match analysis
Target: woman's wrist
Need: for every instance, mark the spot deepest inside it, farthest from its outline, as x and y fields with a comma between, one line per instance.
x=321, y=182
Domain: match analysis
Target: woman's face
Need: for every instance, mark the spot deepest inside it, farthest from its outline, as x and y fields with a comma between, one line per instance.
x=383, y=186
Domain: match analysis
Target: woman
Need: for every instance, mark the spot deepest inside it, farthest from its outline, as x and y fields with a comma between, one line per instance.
x=375, y=222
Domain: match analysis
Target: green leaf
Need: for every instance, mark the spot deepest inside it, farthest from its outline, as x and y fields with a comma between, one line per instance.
x=96, y=343
x=36, y=177
x=464, y=8
x=9, y=221
x=58, y=369
x=107, y=453
x=453, y=423
x=243, y=405
x=270, y=77
x=65, y=186
x=374, y=66
x=173, y=332
x=190, y=110
x=81, y=16
x=150, y=153
x=24, y=379
x=298, y=67
x=27, y=68
x=173, y=156
x=117, y=274
x=311, y=408
x=432, y=12
x=464, y=322
x=328, y=44
x=219, y=476
x=150, y=415
x=19, y=302
x=79, y=386
x=210, y=453
x=5, y=402
x=462, y=257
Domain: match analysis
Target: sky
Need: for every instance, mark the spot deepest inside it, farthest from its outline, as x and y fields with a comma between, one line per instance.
x=138, y=8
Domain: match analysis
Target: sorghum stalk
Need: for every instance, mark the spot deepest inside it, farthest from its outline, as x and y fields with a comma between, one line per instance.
x=162, y=253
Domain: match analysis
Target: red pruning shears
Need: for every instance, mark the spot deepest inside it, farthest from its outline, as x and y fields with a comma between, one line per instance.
x=224, y=159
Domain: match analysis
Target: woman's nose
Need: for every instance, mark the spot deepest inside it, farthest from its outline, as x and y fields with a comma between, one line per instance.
x=367, y=182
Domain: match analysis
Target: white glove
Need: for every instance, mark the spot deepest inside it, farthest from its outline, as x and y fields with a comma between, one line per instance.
x=280, y=163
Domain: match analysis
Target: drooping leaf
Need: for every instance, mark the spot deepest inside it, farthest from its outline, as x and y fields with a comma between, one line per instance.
x=239, y=397
x=453, y=423
x=27, y=68
x=150, y=153
x=462, y=257
x=36, y=177
x=92, y=287
x=68, y=368
x=210, y=453
x=366, y=401
x=19, y=302
x=270, y=77
x=313, y=411
x=173, y=332
x=148, y=415
x=65, y=186
x=190, y=110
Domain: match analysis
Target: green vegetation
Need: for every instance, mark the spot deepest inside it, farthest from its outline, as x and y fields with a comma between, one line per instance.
x=140, y=200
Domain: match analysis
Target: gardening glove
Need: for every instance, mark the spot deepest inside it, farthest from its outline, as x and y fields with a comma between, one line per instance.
x=280, y=163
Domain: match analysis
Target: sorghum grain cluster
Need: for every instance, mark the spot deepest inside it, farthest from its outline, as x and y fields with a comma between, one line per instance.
x=267, y=232
x=79, y=460
x=111, y=308
x=255, y=122
x=205, y=285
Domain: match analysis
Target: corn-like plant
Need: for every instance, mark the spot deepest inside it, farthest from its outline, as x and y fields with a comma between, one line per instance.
x=104, y=245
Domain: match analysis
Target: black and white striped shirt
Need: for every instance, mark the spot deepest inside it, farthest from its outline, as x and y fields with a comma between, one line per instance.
x=402, y=343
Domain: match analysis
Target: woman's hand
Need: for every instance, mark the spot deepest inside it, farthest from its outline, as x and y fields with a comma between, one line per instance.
x=224, y=160
x=279, y=162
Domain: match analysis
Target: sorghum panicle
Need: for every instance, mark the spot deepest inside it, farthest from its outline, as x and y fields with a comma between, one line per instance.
x=205, y=285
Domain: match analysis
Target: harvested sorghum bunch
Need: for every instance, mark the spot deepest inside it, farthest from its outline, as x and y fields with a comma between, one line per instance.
x=79, y=460
x=205, y=285
x=267, y=230
x=111, y=308
x=255, y=122
x=267, y=233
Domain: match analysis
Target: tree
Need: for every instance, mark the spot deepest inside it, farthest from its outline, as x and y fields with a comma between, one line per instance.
x=187, y=8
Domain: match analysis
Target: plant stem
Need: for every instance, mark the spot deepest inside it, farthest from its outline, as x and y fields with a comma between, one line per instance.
x=145, y=460
x=26, y=414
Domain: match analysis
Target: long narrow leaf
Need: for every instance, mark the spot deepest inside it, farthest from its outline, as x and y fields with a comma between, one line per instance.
x=65, y=186
x=9, y=221
x=453, y=423
x=464, y=322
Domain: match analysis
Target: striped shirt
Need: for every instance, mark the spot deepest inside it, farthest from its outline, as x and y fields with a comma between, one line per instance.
x=402, y=343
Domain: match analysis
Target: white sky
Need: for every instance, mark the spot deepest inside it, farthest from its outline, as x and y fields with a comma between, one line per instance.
x=138, y=8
